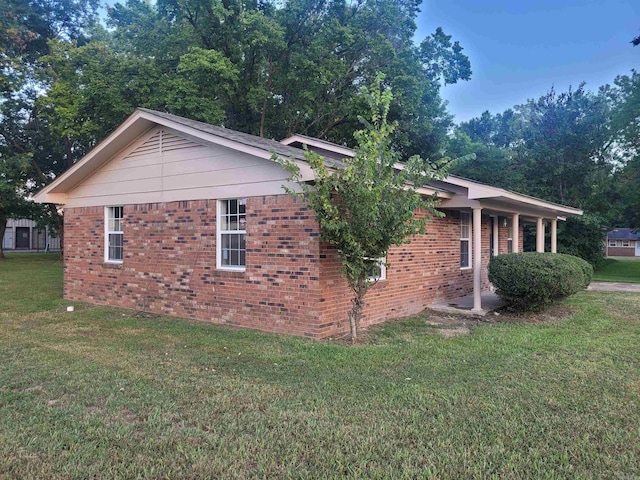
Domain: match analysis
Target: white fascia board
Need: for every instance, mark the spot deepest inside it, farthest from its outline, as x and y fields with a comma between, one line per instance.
x=47, y=197
x=315, y=142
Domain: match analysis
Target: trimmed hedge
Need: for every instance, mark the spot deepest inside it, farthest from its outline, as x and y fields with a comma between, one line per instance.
x=531, y=280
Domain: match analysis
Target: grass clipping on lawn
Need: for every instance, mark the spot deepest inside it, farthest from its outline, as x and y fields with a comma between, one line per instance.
x=101, y=393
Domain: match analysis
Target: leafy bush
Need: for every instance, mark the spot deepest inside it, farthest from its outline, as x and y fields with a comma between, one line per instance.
x=585, y=266
x=531, y=280
x=582, y=237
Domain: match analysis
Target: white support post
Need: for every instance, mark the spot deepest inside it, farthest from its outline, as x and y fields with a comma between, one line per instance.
x=477, y=259
x=554, y=235
x=494, y=235
x=515, y=234
x=539, y=235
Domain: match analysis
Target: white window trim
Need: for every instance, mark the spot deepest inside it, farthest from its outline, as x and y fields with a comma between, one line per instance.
x=470, y=248
x=220, y=232
x=382, y=262
x=613, y=243
x=628, y=243
x=107, y=232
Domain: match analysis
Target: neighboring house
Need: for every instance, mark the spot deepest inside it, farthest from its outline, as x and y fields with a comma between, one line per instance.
x=182, y=218
x=24, y=234
x=623, y=242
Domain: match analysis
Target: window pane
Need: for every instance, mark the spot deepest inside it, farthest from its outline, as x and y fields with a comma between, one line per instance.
x=374, y=272
x=116, y=248
x=115, y=216
x=232, y=245
x=464, y=253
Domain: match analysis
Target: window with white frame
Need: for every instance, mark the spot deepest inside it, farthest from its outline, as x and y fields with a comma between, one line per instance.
x=114, y=234
x=510, y=237
x=612, y=243
x=378, y=271
x=232, y=234
x=625, y=243
x=465, y=240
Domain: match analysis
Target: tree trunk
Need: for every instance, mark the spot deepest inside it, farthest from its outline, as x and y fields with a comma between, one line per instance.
x=356, y=309
x=3, y=228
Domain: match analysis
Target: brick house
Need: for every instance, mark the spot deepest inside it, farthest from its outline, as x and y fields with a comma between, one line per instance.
x=623, y=242
x=182, y=218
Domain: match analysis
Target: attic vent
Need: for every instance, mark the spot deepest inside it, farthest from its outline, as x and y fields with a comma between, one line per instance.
x=174, y=142
x=162, y=141
x=150, y=146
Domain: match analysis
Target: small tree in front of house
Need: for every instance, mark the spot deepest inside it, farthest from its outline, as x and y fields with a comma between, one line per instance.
x=365, y=204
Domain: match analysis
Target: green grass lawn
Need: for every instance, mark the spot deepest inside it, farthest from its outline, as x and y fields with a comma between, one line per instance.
x=103, y=393
x=619, y=270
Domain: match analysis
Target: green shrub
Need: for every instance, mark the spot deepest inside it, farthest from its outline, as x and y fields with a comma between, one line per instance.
x=531, y=281
x=585, y=266
x=582, y=237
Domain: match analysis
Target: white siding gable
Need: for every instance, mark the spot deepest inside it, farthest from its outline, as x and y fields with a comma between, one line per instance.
x=165, y=166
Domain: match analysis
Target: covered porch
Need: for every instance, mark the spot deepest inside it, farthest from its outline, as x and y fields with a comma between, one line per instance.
x=507, y=211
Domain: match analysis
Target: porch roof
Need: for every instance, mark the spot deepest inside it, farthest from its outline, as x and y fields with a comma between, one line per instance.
x=470, y=194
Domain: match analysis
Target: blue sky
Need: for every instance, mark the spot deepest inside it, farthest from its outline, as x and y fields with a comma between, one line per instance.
x=520, y=48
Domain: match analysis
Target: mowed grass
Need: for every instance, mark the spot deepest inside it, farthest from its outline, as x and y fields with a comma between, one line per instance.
x=619, y=270
x=102, y=393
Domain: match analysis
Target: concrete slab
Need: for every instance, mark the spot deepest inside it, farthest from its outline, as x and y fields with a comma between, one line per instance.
x=464, y=305
x=614, y=287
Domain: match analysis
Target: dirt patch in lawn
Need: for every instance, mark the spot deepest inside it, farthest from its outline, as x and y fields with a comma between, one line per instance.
x=451, y=325
x=552, y=314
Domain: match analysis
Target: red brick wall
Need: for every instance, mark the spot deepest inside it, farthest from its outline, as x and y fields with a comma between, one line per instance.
x=170, y=264
x=420, y=273
x=622, y=251
x=292, y=283
x=503, y=235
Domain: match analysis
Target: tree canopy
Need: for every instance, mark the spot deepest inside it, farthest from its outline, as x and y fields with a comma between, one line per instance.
x=576, y=147
x=269, y=67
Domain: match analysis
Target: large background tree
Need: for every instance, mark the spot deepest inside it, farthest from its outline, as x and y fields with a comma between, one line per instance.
x=267, y=67
x=576, y=147
x=26, y=29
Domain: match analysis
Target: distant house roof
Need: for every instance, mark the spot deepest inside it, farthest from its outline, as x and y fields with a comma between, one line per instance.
x=624, y=234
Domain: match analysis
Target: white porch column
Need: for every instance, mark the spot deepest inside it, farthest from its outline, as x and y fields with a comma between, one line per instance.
x=494, y=235
x=477, y=259
x=554, y=235
x=539, y=235
x=515, y=234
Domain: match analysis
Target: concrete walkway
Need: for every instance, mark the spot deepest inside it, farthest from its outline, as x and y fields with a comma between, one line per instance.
x=464, y=305
x=614, y=287
x=491, y=301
